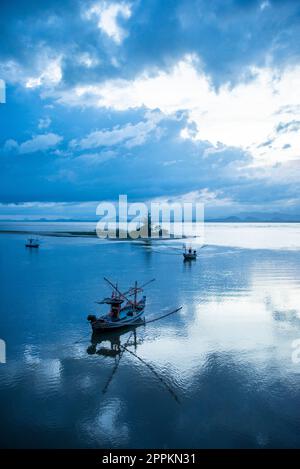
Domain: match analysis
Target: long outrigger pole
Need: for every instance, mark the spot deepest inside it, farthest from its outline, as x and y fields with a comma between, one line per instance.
x=164, y=316
x=116, y=366
x=148, y=365
x=151, y=368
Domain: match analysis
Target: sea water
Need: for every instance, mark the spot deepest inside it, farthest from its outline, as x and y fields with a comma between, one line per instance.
x=222, y=372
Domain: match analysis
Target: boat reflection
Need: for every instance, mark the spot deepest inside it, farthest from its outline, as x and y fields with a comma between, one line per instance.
x=114, y=339
x=116, y=350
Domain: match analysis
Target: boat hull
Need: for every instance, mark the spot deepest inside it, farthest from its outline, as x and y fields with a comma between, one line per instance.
x=102, y=325
x=189, y=257
x=128, y=316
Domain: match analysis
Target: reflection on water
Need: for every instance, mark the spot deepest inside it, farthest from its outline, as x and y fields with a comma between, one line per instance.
x=117, y=349
x=218, y=373
x=110, y=343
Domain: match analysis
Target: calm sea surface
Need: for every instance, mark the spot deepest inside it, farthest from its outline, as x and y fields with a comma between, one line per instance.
x=217, y=374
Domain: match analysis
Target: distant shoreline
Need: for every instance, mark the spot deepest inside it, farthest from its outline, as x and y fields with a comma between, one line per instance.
x=205, y=221
x=210, y=220
x=62, y=234
x=86, y=234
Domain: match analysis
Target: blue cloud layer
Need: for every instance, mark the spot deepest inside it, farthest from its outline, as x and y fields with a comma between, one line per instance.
x=134, y=155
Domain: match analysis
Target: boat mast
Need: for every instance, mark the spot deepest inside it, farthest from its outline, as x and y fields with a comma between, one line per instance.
x=149, y=224
x=135, y=292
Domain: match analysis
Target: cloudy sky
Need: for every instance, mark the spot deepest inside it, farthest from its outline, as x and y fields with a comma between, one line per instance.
x=172, y=99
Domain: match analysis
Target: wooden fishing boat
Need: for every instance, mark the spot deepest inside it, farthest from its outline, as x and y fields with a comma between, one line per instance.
x=32, y=243
x=120, y=316
x=189, y=254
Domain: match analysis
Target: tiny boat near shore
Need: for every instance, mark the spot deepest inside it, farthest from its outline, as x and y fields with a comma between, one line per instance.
x=32, y=243
x=189, y=254
x=120, y=316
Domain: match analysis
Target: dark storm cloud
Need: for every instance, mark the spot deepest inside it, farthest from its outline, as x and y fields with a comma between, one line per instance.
x=226, y=35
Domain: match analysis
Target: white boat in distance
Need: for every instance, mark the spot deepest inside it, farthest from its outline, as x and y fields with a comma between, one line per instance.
x=189, y=254
x=32, y=243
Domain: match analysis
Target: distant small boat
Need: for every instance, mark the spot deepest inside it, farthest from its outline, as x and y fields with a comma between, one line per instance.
x=32, y=243
x=189, y=254
x=118, y=316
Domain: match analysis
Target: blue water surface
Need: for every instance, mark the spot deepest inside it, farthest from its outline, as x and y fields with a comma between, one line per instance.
x=218, y=374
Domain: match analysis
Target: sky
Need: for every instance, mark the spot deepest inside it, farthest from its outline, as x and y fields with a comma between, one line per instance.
x=160, y=100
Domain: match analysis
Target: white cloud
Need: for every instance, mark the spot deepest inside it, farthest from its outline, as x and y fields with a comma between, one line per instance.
x=205, y=196
x=50, y=75
x=93, y=159
x=41, y=142
x=45, y=70
x=11, y=71
x=10, y=145
x=129, y=135
x=87, y=60
x=107, y=14
x=171, y=162
x=48, y=210
x=44, y=123
x=245, y=115
x=264, y=5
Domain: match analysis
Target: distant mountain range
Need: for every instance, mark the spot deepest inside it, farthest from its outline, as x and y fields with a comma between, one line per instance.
x=247, y=217
x=257, y=217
